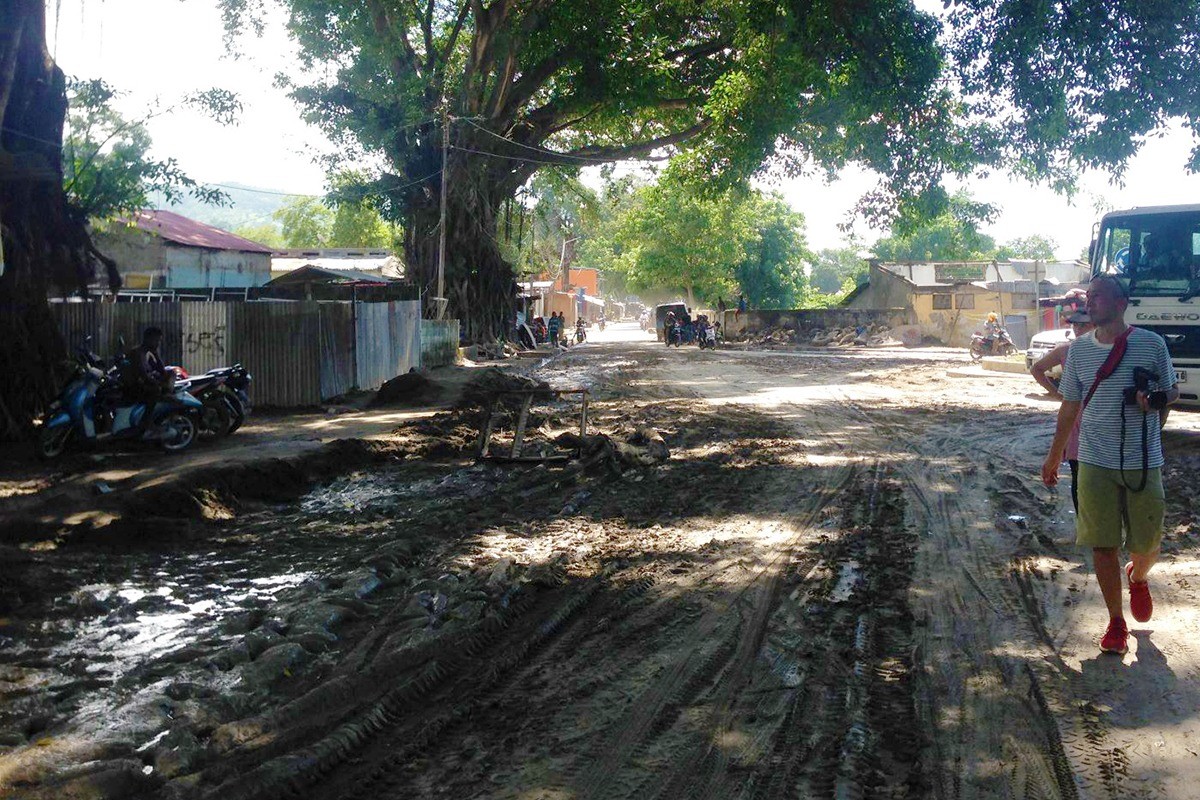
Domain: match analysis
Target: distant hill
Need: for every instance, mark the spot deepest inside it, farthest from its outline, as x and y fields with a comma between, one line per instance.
x=252, y=205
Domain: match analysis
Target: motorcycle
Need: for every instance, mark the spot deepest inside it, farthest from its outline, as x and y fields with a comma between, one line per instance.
x=998, y=345
x=91, y=408
x=706, y=337
x=225, y=393
x=580, y=333
x=676, y=336
x=601, y=323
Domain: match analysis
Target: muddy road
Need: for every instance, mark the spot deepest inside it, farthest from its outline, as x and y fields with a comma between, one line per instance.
x=845, y=581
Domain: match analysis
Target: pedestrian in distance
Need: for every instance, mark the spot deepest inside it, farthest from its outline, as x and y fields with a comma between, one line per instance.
x=554, y=328
x=1115, y=380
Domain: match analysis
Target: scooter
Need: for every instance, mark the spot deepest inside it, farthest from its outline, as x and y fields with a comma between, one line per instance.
x=998, y=345
x=90, y=408
x=706, y=337
x=676, y=337
x=225, y=393
x=580, y=332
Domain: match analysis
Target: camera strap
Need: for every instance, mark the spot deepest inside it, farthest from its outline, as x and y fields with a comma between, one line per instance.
x=1110, y=364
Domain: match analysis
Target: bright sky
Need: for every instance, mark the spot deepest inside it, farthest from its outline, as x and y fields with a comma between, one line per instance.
x=165, y=48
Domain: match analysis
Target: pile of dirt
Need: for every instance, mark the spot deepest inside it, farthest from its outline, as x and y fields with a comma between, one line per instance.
x=479, y=391
x=411, y=388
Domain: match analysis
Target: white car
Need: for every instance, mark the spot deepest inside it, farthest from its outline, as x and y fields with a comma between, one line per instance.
x=1044, y=342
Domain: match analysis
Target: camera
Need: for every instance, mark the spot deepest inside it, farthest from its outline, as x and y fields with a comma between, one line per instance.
x=1142, y=378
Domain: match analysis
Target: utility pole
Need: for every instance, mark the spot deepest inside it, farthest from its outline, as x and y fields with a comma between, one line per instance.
x=441, y=275
x=1037, y=296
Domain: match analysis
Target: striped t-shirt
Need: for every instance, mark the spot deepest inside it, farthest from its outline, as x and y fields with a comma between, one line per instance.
x=1100, y=427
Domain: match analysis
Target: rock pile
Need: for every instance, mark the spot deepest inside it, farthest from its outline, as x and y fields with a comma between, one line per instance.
x=876, y=335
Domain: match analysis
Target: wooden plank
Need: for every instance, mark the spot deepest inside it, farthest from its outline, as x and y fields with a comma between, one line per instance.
x=583, y=416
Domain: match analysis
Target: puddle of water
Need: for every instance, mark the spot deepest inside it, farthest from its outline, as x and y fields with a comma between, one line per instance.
x=848, y=578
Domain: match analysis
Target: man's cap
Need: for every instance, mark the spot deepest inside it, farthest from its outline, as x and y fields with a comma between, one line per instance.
x=1079, y=317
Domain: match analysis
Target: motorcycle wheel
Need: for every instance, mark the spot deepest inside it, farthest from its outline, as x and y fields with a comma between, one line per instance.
x=976, y=351
x=183, y=432
x=52, y=442
x=215, y=420
x=237, y=413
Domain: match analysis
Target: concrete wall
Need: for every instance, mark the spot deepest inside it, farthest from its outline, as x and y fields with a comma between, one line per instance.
x=191, y=267
x=810, y=319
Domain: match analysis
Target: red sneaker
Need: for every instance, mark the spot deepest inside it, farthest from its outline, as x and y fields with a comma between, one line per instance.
x=1140, y=601
x=1116, y=638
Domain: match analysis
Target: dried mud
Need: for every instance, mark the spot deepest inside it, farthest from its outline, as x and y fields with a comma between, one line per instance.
x=845, y=582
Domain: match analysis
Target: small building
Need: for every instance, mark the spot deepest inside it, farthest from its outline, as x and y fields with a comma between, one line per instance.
x=364, y=261
x=951, y=301
x=165, y=250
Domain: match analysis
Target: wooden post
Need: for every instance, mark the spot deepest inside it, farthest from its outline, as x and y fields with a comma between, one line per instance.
x=583, y=416
x=485, y=435
x=519, y=436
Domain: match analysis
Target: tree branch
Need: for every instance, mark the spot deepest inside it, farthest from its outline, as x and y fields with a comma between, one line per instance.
x=384, y=29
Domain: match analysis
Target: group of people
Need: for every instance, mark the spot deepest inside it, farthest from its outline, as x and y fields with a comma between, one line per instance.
x=1109, y=432
x=553, y=330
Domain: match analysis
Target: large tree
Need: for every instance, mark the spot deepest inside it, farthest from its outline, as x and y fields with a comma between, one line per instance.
x=42, y=240
x=515, y=85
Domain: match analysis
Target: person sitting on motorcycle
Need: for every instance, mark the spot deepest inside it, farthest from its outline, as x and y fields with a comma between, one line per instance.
x=668, y=326
x=580, y=329
x=992, y=327
x=144, y=377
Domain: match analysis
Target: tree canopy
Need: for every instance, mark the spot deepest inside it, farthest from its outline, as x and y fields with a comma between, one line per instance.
x=107, y=167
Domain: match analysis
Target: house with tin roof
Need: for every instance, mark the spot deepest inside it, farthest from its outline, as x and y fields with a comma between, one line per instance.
x=165, y=250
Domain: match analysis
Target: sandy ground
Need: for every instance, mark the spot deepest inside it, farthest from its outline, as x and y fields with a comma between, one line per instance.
x=846, y=581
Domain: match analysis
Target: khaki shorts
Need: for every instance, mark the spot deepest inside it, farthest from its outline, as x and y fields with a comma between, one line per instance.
x=1108, y=509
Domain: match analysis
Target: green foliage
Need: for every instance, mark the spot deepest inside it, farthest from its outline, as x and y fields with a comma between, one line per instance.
x=952, y=235
x=832, y=268
x=353, y=221
x=265, y=234
x=666, y=237
x=1028, y=247
x=771, y=273
x=305, y=222
x=107, y=169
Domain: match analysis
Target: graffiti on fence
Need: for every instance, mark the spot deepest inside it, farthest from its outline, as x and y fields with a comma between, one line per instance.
x=205, y=341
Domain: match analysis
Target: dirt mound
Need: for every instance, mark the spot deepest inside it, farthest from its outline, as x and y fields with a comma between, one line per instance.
x=411, y=388
x=479, y=391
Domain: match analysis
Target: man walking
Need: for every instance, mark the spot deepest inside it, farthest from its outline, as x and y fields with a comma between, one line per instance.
x=1121, y=499
x=555, y=329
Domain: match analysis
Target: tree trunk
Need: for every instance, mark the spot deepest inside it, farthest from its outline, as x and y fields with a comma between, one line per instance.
x=44, y=243
x=480, y=284
x=691, y=298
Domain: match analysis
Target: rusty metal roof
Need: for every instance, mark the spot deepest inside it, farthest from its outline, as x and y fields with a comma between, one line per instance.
x=190, y=233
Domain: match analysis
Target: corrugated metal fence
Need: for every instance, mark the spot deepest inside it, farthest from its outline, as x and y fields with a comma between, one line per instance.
x=300, y=353
x=439, y=342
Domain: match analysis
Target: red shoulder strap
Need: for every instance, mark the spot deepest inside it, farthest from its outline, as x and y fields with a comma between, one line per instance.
x=1110, y=364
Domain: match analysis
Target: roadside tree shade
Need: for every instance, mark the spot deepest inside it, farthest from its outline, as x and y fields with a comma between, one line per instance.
x=43, y=239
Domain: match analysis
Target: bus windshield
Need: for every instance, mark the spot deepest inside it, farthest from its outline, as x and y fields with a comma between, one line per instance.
x=1156, y=255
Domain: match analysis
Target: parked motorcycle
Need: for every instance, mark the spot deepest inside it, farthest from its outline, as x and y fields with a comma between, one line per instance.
x=998, y=345
x=225, y=393
x=91, y=408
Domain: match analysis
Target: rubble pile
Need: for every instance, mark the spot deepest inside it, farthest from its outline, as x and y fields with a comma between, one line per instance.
x=493, y=351
x=877, y=335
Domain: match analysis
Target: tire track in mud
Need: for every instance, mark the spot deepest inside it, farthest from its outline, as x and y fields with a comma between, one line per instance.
x=695, y=675
x=1042, y=760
